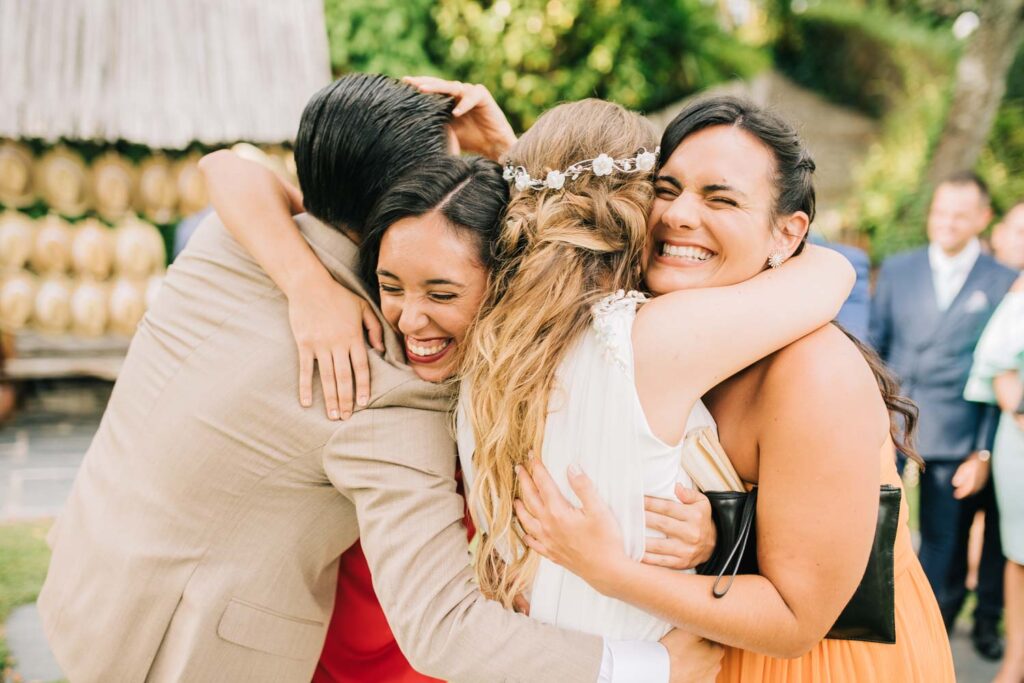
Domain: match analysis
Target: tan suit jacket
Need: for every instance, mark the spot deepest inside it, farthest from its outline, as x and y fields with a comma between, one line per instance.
x=202, y=536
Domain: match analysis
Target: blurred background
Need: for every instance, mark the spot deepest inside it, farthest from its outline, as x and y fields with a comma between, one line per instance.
x=107, y=106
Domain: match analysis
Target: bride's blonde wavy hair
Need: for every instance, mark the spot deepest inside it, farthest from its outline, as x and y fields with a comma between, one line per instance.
x=560, y=251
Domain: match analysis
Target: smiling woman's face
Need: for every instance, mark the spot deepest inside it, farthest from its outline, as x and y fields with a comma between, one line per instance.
x=431, y=286
x=710, y=223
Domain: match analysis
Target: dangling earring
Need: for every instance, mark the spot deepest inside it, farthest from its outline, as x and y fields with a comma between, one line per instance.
x=776, y=259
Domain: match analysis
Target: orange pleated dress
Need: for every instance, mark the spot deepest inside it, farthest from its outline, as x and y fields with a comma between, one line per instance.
x=921, y=653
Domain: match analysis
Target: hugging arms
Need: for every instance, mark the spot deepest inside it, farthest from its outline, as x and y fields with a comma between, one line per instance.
x=783, y=313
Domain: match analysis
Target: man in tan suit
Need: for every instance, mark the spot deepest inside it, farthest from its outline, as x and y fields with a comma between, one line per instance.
x=202, y=536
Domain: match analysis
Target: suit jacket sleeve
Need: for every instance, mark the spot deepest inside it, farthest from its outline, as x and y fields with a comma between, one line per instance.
x=397, y=465
x=988, y=424
x=880, y=322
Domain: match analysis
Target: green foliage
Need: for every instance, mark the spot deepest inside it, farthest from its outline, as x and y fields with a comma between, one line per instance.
x=1015, y=79
x=1002, y=162
x=533, y=54
x=864, y=59
x=380, y=36
x=931, y=11
x=899, y=68
x=892, y=68
x=23, y=561
x=644, y=54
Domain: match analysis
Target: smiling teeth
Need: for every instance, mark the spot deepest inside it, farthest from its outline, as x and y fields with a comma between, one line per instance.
x=428, y=350
x=693, y=253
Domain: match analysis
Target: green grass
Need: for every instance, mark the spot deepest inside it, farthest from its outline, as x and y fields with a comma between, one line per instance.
x=24, y=557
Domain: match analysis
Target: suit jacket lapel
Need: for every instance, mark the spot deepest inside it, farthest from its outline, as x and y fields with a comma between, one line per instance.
x=974, y=278
x=924, y=292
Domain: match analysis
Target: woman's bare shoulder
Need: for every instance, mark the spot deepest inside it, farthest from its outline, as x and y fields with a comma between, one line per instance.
x=824, y=405
x=823, y=370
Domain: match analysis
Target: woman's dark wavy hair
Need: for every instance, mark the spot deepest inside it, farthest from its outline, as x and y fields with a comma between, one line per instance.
x=793, y=182
x=469, y=192
x=357, y=136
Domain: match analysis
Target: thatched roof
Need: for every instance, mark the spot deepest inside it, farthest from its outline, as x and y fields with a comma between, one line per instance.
x=159, y=72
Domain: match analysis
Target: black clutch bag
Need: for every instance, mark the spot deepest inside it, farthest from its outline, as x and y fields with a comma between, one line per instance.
x=871, y=613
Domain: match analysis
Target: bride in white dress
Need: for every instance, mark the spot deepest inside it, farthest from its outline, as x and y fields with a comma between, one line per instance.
x=568, y=361
x=596, y=422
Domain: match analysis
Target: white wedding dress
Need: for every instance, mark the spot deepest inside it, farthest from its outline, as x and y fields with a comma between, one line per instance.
x=596, y=421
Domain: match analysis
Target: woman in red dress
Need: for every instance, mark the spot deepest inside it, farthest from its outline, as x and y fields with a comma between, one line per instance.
x=360, y=647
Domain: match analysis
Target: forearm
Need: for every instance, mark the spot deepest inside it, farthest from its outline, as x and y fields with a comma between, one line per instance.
x=1008, y=390
x=787, y=303
x=411, y=527
x=443, y=624
x=833, y=278
x=783, y=305
x=753, y=615
x=256, y=207
x=801, y=296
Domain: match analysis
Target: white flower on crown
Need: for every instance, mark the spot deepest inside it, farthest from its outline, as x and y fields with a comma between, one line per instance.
x=555, y=180
x=603, y=165
x=522, y=180
x=645, y=161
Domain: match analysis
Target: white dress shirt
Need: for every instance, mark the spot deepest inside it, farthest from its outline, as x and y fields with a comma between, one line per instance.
x=634, y=661
x=949, y=273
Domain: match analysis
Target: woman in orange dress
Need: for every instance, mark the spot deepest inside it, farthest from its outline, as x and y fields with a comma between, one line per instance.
x=810, y=425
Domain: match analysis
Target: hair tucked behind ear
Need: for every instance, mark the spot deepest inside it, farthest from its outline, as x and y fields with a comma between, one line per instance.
x=560, y=251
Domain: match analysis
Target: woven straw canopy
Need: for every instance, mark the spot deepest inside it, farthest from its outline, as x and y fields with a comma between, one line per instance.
x=162, y=73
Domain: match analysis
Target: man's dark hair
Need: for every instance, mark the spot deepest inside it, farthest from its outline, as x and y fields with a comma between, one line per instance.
x=970, y=178
x=469, y=192
x=357, y=136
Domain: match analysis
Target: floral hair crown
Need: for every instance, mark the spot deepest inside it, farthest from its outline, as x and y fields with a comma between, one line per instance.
x=600, y=165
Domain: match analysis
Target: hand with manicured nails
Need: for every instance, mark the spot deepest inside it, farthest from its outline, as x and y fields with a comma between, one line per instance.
x=585, y=540
x=328, y=322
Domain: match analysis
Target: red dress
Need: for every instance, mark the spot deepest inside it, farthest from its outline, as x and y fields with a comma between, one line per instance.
x=360, y=647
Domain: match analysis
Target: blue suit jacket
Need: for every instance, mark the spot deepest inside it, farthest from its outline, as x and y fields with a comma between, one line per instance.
x=931, y=350
x=856, y=310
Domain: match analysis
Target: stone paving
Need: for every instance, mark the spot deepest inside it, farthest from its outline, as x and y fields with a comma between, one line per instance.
x=39, y=455
x=33, y=659
x=41, y=449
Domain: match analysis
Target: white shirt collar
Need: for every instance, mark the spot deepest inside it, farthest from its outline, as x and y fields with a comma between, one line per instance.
x=958, y=263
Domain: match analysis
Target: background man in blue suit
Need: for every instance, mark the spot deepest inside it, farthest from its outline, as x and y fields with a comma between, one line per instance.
x=929, y=309
x=856, y=309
